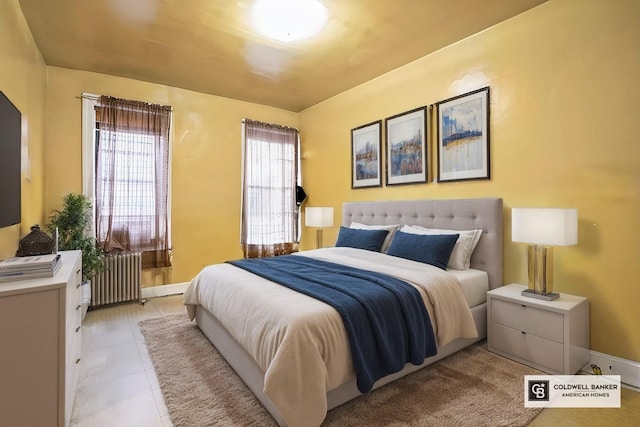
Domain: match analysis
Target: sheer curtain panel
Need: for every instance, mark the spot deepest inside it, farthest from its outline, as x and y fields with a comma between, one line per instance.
x=270, y=170
x=132, y=179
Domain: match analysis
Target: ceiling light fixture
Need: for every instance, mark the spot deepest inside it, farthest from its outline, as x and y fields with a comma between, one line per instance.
x=288, y=20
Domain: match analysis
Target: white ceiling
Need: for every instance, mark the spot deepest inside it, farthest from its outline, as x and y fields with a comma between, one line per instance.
x=208, y=45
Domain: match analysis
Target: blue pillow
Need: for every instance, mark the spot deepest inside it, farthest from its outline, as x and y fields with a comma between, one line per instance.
x=434, y=249
x=370, y=240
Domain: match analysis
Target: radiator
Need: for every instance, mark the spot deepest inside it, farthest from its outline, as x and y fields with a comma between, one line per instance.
x=119, y=281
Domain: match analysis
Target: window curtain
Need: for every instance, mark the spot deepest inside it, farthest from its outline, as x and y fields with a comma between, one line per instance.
x=269, y=223
x=132, y=179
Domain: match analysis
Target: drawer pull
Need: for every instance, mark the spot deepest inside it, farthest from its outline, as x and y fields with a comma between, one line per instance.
x=78, y=285
x=78, y=328
x=523, y=306
x=523, y=332
x=77, y=360
x=78, y=307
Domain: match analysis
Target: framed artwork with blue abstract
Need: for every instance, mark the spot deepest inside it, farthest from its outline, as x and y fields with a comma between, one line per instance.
x=463, y=137
x=406, y=147
x=366, y=159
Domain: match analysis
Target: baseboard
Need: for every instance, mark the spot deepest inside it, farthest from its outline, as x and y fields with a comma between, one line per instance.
x=164, y=290
x=628, y=370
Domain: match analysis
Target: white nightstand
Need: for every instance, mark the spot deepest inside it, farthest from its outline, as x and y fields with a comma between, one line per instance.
x=552, y=336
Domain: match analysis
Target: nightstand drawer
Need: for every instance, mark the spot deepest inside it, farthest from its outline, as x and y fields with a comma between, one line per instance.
x=539, y=351
x=532, y=320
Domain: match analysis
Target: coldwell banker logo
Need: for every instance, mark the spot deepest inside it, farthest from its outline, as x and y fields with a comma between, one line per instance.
x=538, y=390
x=571, y=391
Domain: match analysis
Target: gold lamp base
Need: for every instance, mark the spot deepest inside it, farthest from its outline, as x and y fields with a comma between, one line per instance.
x=540, y=273
x=319, y=238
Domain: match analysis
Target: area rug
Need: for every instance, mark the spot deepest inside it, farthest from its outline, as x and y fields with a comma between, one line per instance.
x=469, y=388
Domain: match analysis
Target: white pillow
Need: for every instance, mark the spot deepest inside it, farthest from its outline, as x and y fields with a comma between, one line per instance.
x=390, y=228
x=461, y=255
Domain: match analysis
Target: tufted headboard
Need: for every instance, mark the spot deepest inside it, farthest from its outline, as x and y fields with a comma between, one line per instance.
x=454, y=214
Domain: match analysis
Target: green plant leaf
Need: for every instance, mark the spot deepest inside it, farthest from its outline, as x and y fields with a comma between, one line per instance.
x=72, y=223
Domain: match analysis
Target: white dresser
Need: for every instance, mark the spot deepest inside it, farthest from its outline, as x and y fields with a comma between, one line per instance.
x=40, y=346
x=552, y=336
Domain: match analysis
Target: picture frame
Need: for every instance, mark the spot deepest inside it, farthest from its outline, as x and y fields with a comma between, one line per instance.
x=366, y=155
x=463, y=137
x=406, y=147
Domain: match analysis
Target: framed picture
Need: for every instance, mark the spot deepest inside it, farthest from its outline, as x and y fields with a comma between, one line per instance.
x=463, y=137
x=406, y=151
x=366, y=153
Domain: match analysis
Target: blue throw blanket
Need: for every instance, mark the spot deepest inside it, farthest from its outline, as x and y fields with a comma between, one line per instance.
x=386, y=321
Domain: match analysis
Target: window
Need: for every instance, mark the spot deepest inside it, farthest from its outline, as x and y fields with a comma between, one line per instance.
x=131, y=178
x=126, y=186
x=270, y=220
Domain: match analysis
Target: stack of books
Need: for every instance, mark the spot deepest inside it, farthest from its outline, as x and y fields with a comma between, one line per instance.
x=29, y=267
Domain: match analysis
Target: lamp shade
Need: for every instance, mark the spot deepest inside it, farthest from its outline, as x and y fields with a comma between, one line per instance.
x=318, y=217
x=545, y=226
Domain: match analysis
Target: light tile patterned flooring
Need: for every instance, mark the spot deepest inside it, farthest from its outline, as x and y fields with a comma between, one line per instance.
x=118, y=385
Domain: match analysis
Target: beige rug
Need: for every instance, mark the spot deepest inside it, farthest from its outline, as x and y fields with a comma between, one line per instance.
x=470, y=388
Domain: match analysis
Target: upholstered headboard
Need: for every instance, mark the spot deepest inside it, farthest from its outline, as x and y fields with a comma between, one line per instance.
x=454, y=214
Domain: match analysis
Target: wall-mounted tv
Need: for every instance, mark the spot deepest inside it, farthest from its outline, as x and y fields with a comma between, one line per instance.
x=10, y=149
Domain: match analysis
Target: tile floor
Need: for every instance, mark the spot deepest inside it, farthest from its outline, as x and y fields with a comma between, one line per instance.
x=118, y=385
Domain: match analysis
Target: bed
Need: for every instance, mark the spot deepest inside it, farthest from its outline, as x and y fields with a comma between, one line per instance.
x=300, y=381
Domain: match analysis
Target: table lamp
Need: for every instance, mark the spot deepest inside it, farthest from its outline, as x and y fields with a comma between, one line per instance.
x=543, y=228
x=318, y=217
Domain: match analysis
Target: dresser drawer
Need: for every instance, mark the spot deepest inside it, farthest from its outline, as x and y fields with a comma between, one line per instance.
x=74, y=313
x=525, y=318
x=72, y=370
x=531, y=348
x=73, y=346
x=74, y=296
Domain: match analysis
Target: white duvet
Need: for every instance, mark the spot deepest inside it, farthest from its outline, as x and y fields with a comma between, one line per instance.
x=299, y=342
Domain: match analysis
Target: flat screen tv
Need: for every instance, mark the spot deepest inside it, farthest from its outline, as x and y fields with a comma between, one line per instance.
x=10, y=149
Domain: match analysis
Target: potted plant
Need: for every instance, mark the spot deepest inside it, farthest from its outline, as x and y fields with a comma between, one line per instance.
x=72, y=222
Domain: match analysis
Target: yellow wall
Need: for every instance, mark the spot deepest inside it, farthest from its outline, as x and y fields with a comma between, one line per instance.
x=206, y=160
x=565, y=105
x=23, y=80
